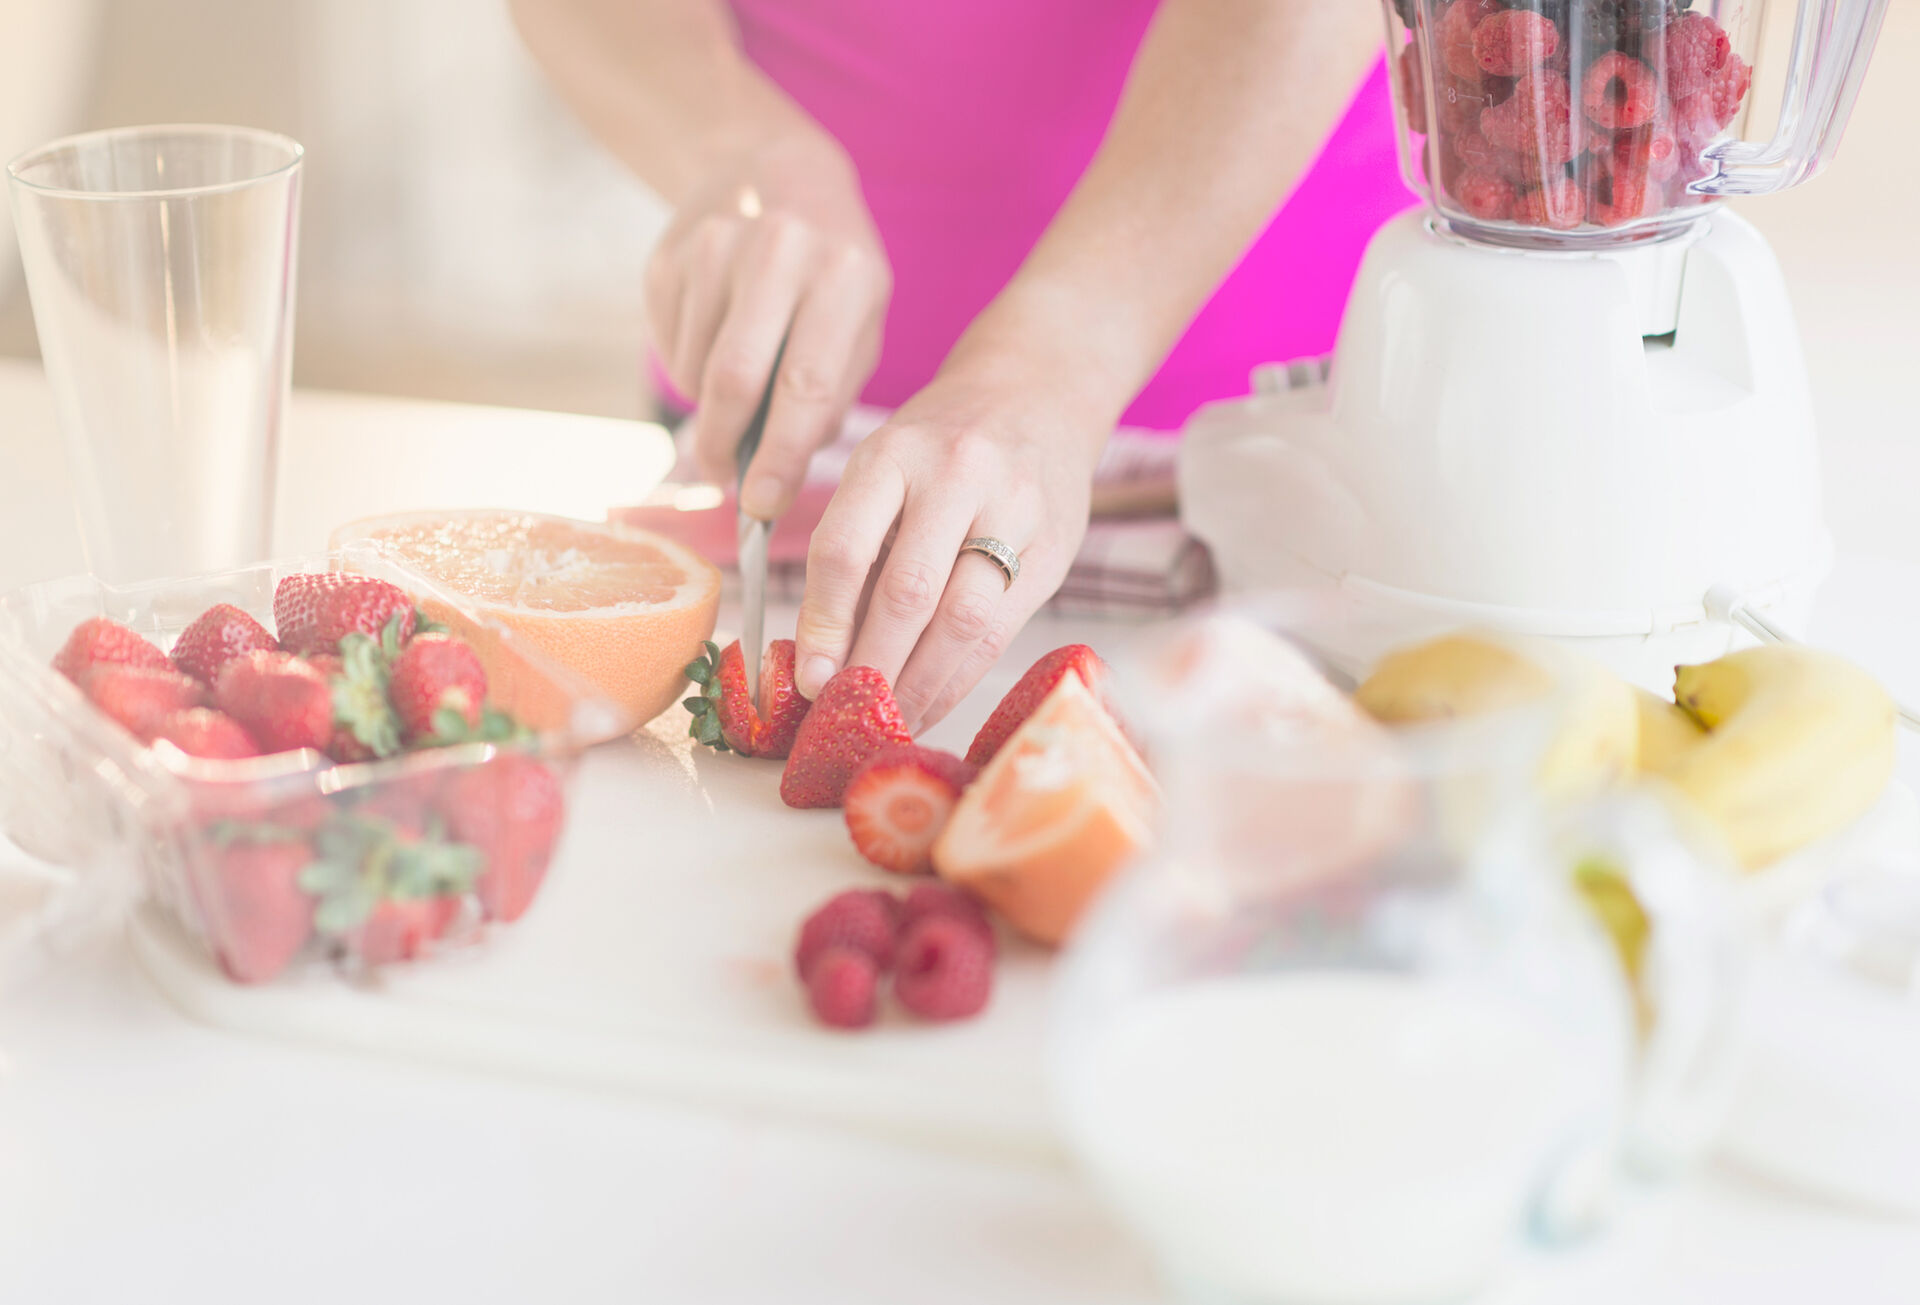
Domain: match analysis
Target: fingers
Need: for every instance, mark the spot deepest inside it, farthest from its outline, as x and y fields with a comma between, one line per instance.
x=914, y=578
x=831, y=349
x=971, y=621
x=851, y=534
x=705, y=262
x=768, y=276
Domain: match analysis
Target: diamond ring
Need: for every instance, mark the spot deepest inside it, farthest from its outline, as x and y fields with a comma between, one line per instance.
x=998, y=553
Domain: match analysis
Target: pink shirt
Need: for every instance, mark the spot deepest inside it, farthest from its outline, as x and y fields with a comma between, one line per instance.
x=970, y=120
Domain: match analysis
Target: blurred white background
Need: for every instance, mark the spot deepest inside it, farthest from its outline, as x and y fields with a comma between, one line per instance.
x=462, y=236
x=465, y=239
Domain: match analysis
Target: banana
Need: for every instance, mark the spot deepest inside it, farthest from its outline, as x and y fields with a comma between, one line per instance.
x=1468, y=674
x=1799, y=743
x=1666, y=732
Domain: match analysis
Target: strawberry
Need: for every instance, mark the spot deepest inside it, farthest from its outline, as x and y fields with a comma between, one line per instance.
x=402, y=929
x=853, y=718
x=898, y=802
x=100, y=642
x=723, y=714
x=945, y=969
x=438, y=687
x=258, y=917
x=1032, y=690
x=282, y=701
x=388, y=884
x=510, y=811
x=141, y=697
x=216, y=637
x=315, y=610
x=204, y=732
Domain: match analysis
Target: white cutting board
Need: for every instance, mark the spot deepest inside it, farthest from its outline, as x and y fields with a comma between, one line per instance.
x=657, y=958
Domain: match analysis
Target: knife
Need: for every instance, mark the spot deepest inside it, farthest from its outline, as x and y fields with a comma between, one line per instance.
x=753, y=544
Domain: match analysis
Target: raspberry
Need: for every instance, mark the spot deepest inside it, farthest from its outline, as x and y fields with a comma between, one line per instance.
x=1537, y=123
x=1728, y=87
x=1413, y=89
x=930, y=899
x=1477, y=155
x=1651, y=151
x=1485, y=195
x=1695, y=47
x=1514, y=41
x=841, y=988
x=946, y=969
x=1620, y=91
x=1558, y=203
x=1620, y=197
x=861, y=919
x=1454, y=35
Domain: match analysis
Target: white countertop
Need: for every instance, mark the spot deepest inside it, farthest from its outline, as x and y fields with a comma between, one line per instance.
x=145, y=1157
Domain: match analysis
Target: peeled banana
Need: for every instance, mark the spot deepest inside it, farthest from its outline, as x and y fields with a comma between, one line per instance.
x=1798, y=744
x=1598, y=735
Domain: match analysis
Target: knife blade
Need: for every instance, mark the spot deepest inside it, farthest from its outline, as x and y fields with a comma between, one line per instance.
x=752, y=538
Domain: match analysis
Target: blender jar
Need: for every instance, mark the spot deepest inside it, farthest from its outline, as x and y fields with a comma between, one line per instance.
x=1531, y=122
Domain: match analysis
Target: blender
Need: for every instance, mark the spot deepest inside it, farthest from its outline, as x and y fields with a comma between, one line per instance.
x=1568, y=397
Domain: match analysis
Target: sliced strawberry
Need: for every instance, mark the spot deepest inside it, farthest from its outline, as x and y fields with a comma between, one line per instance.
x=898, y=802
x=216, y=637
x=282, y=701
x=315, y=610
x=1032, y=690
x=258, y=917
x=140, y=697
x=723, y=714
x=510, y=810
x=100, y=642
x=853, y=718
x=438, y=687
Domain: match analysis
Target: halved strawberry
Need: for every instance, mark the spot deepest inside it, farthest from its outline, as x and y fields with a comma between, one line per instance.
x=216, y=637
x=898, y=802
x=315, y=610
x=140, y=697
x=1032, y=690
x=854, y=717
x=723, y=714
x=100, y=642
x=284, y=703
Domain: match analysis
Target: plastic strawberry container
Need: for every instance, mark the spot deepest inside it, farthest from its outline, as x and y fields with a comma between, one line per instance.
x=282, y=862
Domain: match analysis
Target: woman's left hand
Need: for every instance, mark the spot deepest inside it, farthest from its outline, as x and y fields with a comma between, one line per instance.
x=996, y=446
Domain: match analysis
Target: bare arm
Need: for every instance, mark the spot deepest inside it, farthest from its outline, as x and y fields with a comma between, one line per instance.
x=662, y=83
x=1225, y=109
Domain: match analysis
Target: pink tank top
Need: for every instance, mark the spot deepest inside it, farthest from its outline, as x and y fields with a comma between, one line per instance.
x=970, y=120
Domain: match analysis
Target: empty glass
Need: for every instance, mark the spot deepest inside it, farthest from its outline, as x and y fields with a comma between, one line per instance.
x=160, y=262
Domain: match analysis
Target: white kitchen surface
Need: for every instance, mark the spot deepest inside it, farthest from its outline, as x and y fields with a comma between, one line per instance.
x=146, y=1157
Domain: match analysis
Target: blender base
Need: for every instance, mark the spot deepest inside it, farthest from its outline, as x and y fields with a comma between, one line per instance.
x=1576, y=444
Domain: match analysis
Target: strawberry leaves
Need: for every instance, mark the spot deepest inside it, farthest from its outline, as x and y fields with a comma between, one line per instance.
x=705, y=673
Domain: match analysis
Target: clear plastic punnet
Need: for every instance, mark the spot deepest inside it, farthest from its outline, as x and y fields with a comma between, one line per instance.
x=1544, y=123
x=289, y=862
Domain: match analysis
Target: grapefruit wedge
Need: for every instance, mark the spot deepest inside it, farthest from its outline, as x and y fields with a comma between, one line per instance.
x=1064, y=803
x=625, y=610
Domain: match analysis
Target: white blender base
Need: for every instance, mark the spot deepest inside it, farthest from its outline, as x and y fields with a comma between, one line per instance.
x=1574, y=445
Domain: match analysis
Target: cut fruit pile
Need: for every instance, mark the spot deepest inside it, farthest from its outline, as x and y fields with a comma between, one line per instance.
x=1568, y=114
x=623, y=609
x=1050, y=800
x=382, y=869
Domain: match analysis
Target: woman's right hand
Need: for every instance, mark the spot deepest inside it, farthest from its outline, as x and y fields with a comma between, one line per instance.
x=776, y=245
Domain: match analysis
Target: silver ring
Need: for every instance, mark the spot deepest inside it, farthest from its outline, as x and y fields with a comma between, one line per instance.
x=998, y=553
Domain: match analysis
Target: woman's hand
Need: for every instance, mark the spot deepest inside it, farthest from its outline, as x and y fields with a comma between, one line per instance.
x=997, y=445
x=775, y=245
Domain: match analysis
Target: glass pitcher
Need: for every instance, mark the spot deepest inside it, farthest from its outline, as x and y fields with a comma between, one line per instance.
x=1549, y=123
x=1355, y=1032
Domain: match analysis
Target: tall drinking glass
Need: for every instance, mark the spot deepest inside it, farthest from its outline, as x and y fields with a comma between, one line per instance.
x=160, y=262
